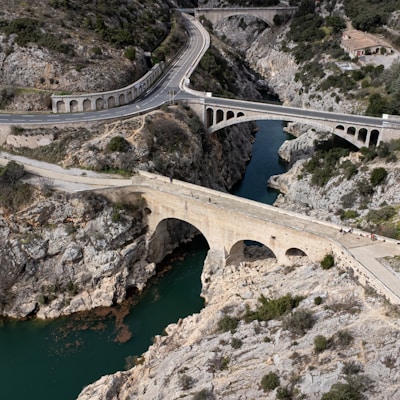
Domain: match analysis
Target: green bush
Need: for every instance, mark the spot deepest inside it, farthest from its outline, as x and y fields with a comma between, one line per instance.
x=378, y=175
x=299, y=322
x=342, y=338
x=204, y=394
x=320, y=343
x=236, y=343
x=381, y=215
x=270, y=381
x=130, y=53
x=118, y=144
x=318, y=300
x=186, y=382
x=227, y=323
x=342, y=391
x=268, y=309
x=328, y=262
x=349, y=214
x=14, y=193
x=351, y=368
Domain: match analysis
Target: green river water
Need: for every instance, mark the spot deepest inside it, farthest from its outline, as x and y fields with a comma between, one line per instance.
x=55, y=360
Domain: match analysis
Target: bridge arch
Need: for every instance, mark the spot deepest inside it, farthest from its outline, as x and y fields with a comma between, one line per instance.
x=246, y=250
x=87, y=105
x=61, y=107
x=362, y=135
x=374, y=138
x=99, y=103
x=111, y=102
x=295, y=252
x=167, y=233
x=73, y=105
x=266, y=14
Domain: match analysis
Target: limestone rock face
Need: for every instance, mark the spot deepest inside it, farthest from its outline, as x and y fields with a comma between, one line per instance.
x=70, y=253
x=298, y=194
x=196, y=357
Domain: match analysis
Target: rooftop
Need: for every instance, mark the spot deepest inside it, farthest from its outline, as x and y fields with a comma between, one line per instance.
x=355, y=39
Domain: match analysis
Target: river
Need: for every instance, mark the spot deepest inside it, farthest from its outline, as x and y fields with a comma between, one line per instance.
x=41, y=360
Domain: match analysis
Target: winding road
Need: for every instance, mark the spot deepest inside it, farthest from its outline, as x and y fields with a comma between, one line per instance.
x=171, y=86
x=157, y=95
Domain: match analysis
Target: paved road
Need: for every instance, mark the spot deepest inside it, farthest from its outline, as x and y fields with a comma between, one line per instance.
x=172, y=82
x=154, y=97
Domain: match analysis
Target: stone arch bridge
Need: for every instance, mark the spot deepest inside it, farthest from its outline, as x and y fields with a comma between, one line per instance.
x=267, y=14
x=227, y=221
x=361, y=131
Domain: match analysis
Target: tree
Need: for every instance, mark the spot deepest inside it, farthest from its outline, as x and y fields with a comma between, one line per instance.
x=378, y=175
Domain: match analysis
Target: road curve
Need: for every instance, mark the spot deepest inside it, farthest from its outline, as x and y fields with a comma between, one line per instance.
x=160, y=93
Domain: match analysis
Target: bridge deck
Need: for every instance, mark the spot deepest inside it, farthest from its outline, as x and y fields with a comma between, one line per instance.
x=357, y=243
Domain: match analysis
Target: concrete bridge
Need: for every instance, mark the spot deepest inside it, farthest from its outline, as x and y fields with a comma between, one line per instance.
x=227, y=221
x=267, y=14
x=361, y=131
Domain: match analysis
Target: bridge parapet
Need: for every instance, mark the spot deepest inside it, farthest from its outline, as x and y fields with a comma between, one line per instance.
x=106, y=100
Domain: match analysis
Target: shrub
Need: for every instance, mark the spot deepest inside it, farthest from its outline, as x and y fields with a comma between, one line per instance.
x=349, y=214
x=351, y=368
x=218, y=363
x=328, y=262
x=320, y=343
x=185, y=382
x=299, y=322
x=342, y=391
x=378, y=175
x=227, y=323
x=130, y=53
x=382, y=215
x=318, y=300
x=270, y=381
x=273, y=308
x=236, y=343
x=204, y=394
x=118, y=143
x=342, y=338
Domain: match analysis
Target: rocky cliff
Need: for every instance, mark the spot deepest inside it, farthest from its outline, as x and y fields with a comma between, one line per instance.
x=216, y=354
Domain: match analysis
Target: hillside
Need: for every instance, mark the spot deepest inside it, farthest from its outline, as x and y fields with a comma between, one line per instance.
x=74, y=46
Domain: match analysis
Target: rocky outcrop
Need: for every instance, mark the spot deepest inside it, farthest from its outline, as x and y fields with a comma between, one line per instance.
x=69, y=253
x=196, y=357
x=299, y=194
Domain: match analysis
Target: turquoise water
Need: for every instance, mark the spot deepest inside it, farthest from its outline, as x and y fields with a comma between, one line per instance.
x=55, y=360
x=264, y=163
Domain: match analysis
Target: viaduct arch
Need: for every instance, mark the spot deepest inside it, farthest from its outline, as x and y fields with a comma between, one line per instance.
x=267, y=14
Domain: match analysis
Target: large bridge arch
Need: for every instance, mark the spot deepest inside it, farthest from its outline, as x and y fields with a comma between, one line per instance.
x=167, y=234
x=266, y=14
